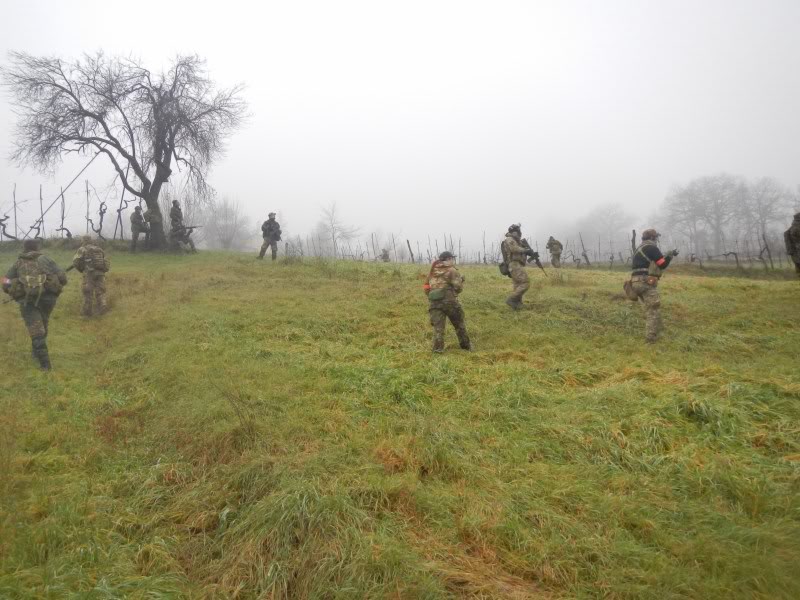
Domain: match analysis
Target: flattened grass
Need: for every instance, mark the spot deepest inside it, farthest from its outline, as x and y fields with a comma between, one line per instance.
x=236, y=428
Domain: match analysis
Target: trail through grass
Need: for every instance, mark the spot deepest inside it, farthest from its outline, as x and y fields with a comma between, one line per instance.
x=236, y=428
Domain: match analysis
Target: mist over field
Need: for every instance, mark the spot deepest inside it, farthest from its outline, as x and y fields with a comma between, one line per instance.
x=353, y=413
x=423, y=119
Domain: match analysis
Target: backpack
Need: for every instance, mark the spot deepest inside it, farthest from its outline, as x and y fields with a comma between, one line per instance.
x=95, y=259
x=32, y=281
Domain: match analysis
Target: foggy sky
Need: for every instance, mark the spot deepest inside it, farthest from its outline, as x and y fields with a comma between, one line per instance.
x=459, y=117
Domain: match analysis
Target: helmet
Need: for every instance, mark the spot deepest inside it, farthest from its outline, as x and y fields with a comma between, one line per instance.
x=175, y=202
x=446, y=255
x=86, y=239
x=516, y=227
x=650, y=234
x=138, y=208
x=271, y=215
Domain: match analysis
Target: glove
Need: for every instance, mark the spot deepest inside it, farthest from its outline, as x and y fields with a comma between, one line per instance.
x=673, y=252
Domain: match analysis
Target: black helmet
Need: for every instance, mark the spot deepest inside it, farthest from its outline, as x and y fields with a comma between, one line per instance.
x=516, y=227
x=446, y=255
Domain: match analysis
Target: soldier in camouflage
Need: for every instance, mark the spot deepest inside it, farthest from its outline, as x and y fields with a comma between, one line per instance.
x=515, y=256
x=90, y=260
x=175, y=215
x=792, y=239
x=647, y=266
x=35, y=282
x=555, y=248
x=442, y=286
x=271, y=232
x=138, y=227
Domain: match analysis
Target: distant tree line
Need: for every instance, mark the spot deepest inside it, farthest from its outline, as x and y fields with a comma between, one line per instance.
x=721, y=214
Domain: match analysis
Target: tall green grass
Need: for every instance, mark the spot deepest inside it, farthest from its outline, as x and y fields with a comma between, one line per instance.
x=237, y=428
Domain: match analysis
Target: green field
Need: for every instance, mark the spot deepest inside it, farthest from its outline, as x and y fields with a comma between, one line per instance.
x=244, y=429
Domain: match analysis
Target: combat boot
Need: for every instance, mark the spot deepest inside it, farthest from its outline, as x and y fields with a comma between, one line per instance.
x=40, y=352
x=514, y=304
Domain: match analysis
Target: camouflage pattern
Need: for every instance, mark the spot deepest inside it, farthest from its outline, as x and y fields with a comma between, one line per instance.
x=444, y=276
x=89, y=260
x=648, y=294
x=515, y=255
x=555, y=248
x=271, y=231
x=181, y=239
x=138, y=227
x=36, y=314
x=792, y=239
x=521, y=282
x=175, y=215
x=93, y=288
x=269, y=244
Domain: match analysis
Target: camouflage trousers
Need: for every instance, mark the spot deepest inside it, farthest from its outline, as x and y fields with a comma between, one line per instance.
x=796, y=265
x=439, y=313
x=519, y=277
x=135, y=239
x=269, y=243
x=555, y=260
x=649, y=296
x=94, y=293
x=37, y=319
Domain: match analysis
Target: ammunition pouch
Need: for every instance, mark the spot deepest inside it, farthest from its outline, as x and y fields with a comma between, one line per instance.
x=437, y=294
x=16, y=290
x=504, y=269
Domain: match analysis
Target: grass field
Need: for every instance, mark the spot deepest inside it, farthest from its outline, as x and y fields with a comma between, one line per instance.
x=243, y=429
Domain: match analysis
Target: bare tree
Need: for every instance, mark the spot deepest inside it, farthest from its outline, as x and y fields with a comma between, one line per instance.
x=145, y=123
x=225, y=224
x=764, y=203
x=333, y=231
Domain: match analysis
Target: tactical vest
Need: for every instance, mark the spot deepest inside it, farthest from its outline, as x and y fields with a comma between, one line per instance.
x=94, y=259
x=653, y=269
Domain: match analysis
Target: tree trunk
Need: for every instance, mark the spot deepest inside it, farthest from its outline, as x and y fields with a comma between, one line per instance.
x=158, y=239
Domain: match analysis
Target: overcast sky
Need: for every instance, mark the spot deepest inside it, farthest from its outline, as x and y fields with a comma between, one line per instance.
x=433, y=116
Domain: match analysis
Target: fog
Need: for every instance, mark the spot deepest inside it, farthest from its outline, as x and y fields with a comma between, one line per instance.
x=425, y=118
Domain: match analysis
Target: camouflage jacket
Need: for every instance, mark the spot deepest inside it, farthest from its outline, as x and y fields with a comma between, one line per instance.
x=792, y=239
x=176, y=217
x=137, y=222
x=89, y=258
x=57, y=277
x=271, y=230
x=554, y=246
x=444, y=276
x=513, y=250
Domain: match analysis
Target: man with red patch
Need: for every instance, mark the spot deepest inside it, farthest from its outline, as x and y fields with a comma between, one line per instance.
x=648, y=264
